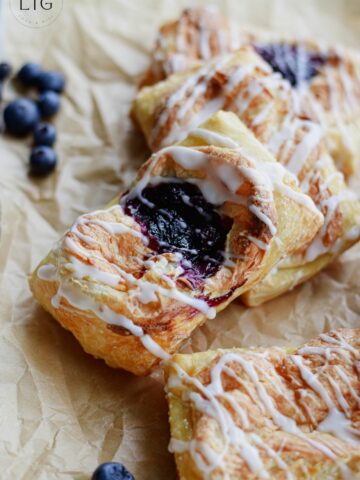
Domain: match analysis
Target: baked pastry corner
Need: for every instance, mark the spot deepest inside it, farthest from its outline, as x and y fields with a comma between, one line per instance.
x=266, y=413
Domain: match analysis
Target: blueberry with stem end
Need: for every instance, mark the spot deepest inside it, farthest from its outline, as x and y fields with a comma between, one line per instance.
x=51, y=80
x=49, y=103
x=44, y=134
x=43, y=160
x=112, y=471
x=29, y=74
x=21, y=116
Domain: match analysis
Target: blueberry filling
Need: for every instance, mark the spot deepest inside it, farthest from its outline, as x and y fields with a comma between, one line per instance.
x=176, y=218
x=295, y=63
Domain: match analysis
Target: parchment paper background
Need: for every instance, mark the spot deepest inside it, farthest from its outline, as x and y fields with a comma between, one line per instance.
x=62, y=412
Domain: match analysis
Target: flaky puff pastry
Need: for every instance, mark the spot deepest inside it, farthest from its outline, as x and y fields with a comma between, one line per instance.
x=199, y=34
x=268, y=413
x=328, y=79
x=326, y=76
x=127, y=282
x=242, y=82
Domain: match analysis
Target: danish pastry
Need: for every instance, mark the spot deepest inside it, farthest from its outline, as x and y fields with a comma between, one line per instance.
x=199, y=227
x=325, y=76
x=328, y=78
x=199, y=34
x=266, y=413
x=244, y=83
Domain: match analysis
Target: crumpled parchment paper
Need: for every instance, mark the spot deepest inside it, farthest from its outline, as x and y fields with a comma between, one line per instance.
x=61, y=411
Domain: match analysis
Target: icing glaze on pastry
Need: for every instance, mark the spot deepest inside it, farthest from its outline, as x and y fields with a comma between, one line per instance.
x=142, y=288
x=327, y=202
x=199, y=34
x=274, y=111
x=83, y=246
x=268, y=413
x=326, y=77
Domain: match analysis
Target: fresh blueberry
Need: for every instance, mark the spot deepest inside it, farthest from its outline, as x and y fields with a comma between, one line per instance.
x=51, y=80
x=42, y=160
x=49, y=103
x=112, y=471
x=21, y=116
x=5, y=70
x=29, y=74
x=44, y=134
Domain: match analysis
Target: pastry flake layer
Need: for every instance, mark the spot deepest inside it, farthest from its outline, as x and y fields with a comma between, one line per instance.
x=265, y=413
x=244, y=83
x=132, y=281
x=326, y=76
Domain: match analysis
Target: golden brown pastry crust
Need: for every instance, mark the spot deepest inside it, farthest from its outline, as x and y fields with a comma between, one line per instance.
x=200, y=34
x=243, y=83
x=268, y=412
x=333, y=96
x=132, y=306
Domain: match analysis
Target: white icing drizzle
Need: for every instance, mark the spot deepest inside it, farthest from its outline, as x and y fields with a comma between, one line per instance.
x=312, y=380
x=47, y=272
x=265, y=219
x=144, y=289
x=231, y=433
x=342, y=96
x=220, y=185
x=273, y=454
x=222, y=180
x=205, y=27
x=341, y=78
x=335, y=103
x=214, y=138
x=197, y=84
x=274, y=171
x=77, y=299
x=309, y=141
x=345, y=379
x=262, y=115
x=213, y=401
x=259, y=243
x=282, y=142
x=222, y=41
x=204, y=73
x=204, y=41
x=234, y=36
x=305, y=147
x=337, y=424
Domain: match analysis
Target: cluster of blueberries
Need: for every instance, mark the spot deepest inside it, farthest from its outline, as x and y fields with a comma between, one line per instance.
x=112, y=471
x=24, y=115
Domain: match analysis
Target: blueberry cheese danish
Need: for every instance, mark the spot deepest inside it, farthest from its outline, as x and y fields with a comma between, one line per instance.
x=201, y=225
x=327, y=77
x=245, y=84
x=268, y=413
